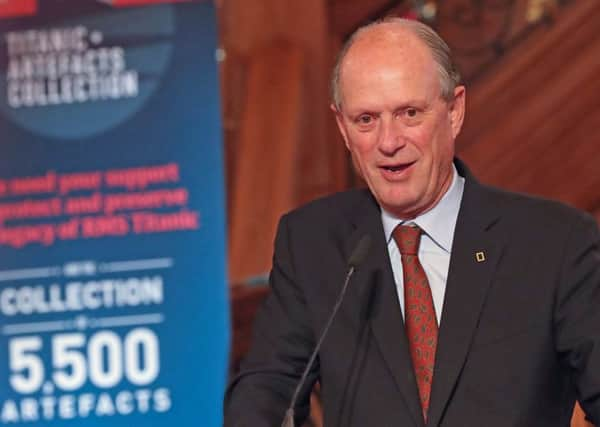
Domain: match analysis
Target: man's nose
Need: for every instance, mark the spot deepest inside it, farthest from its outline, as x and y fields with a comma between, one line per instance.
x=392, y=136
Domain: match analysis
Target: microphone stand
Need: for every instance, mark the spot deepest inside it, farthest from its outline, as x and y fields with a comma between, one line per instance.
x=358, y=255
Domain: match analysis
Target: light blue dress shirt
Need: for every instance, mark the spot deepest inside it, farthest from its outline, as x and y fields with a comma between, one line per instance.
x=438, y=226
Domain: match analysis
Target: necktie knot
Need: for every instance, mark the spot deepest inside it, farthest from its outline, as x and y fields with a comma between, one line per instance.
x=407, y=238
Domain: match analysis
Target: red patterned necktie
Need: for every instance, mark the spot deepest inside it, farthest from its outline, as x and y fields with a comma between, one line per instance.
x=419, y=313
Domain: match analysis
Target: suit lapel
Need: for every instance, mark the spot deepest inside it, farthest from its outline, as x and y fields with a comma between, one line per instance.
x=384, y=315
x=476, y=250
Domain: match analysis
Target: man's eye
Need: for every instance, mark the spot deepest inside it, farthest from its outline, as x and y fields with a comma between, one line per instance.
x=411, y=112
x=364, y=119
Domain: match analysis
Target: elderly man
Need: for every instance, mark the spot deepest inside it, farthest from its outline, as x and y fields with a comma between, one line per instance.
x=474, y=306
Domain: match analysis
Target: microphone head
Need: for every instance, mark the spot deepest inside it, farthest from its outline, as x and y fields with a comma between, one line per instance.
x=360, y=251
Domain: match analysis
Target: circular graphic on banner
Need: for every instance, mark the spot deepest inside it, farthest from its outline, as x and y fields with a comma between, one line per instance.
x=76, y=79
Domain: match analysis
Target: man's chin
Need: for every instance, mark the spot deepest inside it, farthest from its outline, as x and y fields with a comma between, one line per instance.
x=401, y=207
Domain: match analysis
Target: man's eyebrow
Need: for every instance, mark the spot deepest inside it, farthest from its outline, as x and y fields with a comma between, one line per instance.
x=413, y=102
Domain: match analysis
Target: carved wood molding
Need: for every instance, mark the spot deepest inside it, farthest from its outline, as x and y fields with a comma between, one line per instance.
x=525, y=129
x=347, y=15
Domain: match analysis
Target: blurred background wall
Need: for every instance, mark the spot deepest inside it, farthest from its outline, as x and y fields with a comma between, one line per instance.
x=531, y=69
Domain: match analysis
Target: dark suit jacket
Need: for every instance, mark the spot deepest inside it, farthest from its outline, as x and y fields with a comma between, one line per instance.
x=519, y=338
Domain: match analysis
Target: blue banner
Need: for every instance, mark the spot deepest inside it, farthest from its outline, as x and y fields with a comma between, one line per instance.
x=113, y=291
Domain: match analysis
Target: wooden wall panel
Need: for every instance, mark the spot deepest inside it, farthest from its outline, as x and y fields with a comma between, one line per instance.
x=527, y=68
x=264, y=182
x=248, y=28
x=532, y=125
x=316, y=165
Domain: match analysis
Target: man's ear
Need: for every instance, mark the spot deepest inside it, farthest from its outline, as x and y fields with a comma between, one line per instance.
x=457, y=110
x=339, y=119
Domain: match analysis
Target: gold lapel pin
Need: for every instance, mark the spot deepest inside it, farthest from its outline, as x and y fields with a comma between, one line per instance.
x=480, y=256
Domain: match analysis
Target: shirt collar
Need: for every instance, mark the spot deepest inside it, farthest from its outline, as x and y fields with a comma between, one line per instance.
x=438, y=222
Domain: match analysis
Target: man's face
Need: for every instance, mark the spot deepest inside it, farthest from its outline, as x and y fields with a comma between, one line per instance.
x=397, y=127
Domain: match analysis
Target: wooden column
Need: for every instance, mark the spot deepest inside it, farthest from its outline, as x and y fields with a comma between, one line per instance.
x=277, y=120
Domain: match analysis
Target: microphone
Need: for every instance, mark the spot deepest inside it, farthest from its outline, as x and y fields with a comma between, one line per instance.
x=356, y=258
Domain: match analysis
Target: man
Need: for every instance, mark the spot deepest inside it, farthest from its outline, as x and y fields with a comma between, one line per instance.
x=474, y=307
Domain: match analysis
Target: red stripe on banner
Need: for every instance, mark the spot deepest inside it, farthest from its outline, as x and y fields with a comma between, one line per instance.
x=12, y=8
x=119, y=3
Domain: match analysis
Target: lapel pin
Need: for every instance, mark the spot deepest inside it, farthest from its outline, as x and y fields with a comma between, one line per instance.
x=480, y=256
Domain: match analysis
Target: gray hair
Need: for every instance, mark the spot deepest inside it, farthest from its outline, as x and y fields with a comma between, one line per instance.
x=448, y=73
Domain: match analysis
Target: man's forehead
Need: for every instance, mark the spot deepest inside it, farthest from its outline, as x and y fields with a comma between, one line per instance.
x=389, y=45
x=381, y=52
x=386, y=37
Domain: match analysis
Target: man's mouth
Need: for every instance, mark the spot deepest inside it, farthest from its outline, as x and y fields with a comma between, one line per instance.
x=397, y=167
